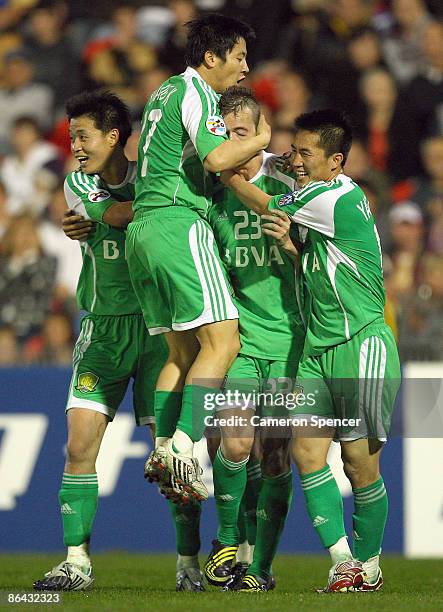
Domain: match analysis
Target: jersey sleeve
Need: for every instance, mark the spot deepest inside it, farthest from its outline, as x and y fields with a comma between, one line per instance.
x=312, y=207
x=201, y=118
x=85, y=196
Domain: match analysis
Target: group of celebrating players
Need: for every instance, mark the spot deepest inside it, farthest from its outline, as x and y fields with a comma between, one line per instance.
x=249, y=272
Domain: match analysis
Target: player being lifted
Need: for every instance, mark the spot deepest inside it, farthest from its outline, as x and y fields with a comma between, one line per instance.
x=350, y=356
x=272, y=337
x=173, y=260
x=113, y=345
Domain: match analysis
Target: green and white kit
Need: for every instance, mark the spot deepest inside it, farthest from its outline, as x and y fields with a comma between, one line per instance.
x=347, y=338
x=172, y=256
x=266, y=287
x=113, y=345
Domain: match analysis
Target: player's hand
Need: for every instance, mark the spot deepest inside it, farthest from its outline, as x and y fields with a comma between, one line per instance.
x=264, y=130
x=75, y=226
x=277, y=224
x=284, y=162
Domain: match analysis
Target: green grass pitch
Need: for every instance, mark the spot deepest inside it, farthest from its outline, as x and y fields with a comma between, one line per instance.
x=146, y=582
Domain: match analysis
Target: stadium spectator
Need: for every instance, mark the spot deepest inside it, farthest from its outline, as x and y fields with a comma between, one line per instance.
x=9, y=349
x=116, y=60
x=379, y=93
x=172, y=52
x=402, y=46
x=294, y=98
x=407, y=245
x=20, y=96
x=54, y=345
x=32, y=170
x=26, y=279
x=5, y=215
x=421, y=315
x=419, y=110
x=54, y=61
x=67, y=252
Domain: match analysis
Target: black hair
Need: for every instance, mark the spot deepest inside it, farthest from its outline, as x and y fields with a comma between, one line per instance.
x=216, y=33
x=333, y=128
x=237, y=98
x=106, y=109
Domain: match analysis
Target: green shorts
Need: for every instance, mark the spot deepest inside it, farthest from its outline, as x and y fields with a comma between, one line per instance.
x=108, y=353
x=354, y=383
x=176, y=270
x=259, y=382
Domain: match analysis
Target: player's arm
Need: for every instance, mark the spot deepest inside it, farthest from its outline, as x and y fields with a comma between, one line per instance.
x=231, y=154
x=250, y=195
x=89, y=200
x=207, y=131
x=119, y=214
x=311, y=206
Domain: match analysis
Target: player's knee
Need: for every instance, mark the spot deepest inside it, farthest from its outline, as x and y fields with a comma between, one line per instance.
x=361, y=473
x=237, y=449
x=306, y=458
x=79, y=450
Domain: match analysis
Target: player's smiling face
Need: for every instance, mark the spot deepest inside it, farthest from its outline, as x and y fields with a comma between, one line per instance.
x=310, y=162
x=233, y=69
x=90, y=146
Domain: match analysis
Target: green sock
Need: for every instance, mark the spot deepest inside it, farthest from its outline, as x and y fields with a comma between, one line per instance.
x=241, y=522
x=324, y=504
x=167, y=407
x=369, y=519
x=250, y=498
x=229, y=487
x=78, y=498
x=194, y=409
x=186, y=519
x=273, y=507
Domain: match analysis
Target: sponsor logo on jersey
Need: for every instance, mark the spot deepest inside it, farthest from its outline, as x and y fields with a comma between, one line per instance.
x=285, y=200
x=216, y=125
x=98, y=196
x=87, y=382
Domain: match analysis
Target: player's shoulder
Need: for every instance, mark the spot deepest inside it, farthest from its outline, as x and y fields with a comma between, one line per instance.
x=81, y=183
x=328, y=191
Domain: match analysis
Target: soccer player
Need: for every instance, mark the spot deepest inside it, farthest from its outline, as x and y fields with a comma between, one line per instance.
x=113, y=345
x=350, y=357
x=173, y=260
x=272, y=337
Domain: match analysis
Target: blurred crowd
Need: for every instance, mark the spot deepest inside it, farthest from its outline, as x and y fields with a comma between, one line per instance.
x=381, y=61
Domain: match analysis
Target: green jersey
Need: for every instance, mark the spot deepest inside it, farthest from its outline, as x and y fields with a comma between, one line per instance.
x=341, y=260
x=262, y=275
x=181, y=125
x=104, y=286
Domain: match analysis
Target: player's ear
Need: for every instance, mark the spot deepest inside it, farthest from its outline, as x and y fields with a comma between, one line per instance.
x=209, y=59
x=113, y=137
x=337, y=160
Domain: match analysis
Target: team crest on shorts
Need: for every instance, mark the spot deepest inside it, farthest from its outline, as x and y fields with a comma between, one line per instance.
x=87, y=382
x=98, y=196
x=216, y=125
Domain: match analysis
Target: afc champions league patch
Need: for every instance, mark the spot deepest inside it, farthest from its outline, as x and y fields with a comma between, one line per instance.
x=216, y=125
x=285, y=200
x=99, y=195
x=87, y=382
